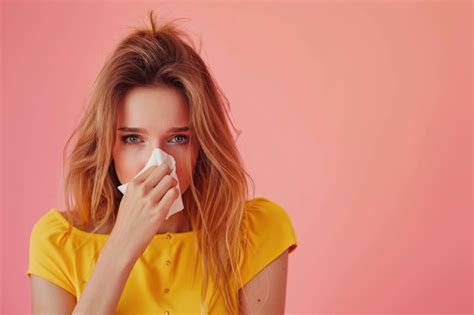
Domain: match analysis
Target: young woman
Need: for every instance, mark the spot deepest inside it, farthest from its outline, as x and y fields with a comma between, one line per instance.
x=115, y=253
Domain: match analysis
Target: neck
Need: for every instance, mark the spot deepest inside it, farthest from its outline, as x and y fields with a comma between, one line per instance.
x=177, y=223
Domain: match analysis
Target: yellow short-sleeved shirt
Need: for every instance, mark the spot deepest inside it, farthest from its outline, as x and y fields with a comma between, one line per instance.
x=160, y=280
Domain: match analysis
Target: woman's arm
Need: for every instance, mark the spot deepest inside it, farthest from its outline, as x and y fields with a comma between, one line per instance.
x=101, y=293
x=141, y=213
x=49, y=298
x=266, y=292
x=107, y=281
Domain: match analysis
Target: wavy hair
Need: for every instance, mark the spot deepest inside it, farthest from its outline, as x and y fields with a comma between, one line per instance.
x=216, y=199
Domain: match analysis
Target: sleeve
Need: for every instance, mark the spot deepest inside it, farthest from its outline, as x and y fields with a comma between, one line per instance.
x=269, y=233
x=49, y=256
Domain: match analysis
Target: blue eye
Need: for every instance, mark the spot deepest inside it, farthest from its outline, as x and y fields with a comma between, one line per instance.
x=124, y=139
x=183, y=136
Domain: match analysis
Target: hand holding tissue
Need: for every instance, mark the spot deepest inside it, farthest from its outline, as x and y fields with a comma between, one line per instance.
x=159, y=157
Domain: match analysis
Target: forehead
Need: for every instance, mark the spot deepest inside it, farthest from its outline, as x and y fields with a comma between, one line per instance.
x=152, y=107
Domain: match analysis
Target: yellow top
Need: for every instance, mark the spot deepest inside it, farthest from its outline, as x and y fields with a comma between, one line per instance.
x=160, y=281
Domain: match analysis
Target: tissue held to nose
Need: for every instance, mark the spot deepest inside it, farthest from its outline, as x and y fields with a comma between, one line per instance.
x=159, y=157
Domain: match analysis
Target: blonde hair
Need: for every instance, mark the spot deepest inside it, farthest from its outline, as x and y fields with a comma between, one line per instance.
x=216, y=199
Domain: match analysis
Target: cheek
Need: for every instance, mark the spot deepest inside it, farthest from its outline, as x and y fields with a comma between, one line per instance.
x=184, y=176
x=127, y=165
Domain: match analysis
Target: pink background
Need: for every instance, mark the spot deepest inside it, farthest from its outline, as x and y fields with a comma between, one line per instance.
x=355, y=116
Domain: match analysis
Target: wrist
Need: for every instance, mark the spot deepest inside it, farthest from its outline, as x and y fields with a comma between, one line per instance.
x=119, y=251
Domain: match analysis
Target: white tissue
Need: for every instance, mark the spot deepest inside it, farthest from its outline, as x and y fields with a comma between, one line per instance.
x=159, y=157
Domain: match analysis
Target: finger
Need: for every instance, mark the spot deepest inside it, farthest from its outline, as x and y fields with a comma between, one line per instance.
x=162, y=187
x=156, y=176
x=140, y=178
x=165, y=203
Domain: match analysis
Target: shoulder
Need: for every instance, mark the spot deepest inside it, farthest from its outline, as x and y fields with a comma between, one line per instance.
x=261, y=210
x=267, y=220
x=51, y=233
x=51, y=252
x=49, y=225
x=269, y=232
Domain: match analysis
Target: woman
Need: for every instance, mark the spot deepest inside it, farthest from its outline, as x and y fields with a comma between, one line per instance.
x=115, y=253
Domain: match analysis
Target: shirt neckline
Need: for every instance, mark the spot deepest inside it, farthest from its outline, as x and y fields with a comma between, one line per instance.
x=160, y=236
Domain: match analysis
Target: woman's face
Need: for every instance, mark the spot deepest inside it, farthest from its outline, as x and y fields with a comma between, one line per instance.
x=156, y=111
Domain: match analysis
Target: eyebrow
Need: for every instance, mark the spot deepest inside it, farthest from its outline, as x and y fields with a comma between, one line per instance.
x=144, y=131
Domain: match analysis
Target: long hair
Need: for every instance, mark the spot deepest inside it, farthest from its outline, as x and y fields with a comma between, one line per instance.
x=216, y=199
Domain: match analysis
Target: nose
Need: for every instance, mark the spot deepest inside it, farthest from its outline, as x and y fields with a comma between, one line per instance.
x=158, y=149
x=160, y=156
